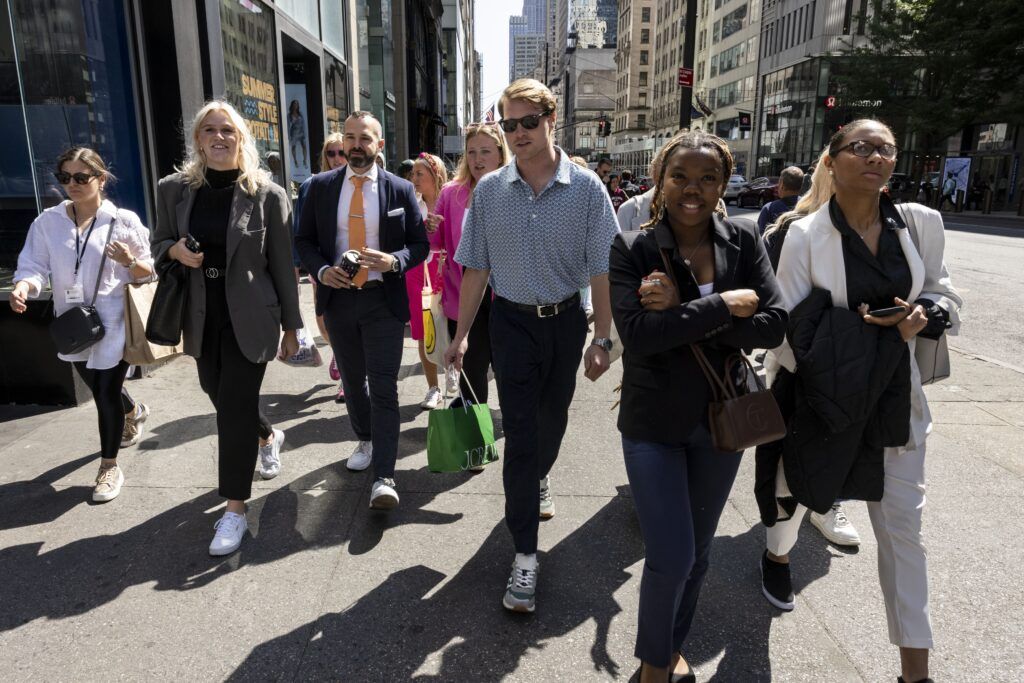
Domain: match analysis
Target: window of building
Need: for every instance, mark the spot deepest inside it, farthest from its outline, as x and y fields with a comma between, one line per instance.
x=335, y=94
x=645, y=36
x=645, y=15
x=588, y=88
x=302, y=11
x=643, y=57
x=643, y=79
x=733, y=21
x=332, y=15
x=584, y=141
x=641, y=121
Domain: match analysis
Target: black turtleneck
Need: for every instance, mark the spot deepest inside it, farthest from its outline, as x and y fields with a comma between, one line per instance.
x=211, y=214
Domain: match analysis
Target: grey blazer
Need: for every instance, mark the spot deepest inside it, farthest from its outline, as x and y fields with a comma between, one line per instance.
x=262, y=294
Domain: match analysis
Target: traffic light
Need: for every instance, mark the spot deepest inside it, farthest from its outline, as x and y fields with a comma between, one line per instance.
x=744, y=121
x=604, y=127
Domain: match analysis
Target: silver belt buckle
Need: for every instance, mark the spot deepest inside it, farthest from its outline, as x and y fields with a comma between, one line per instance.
x=542, y=314
x=212, y=273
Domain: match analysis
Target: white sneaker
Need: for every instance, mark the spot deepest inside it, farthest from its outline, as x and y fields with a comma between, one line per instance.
x=383, y=496
x=108, y=484
x=433, y=400
x=451, y=382
x=834, y=526
x=361, y=457
x=547, y=503
x=270, y=456
x=230, y=530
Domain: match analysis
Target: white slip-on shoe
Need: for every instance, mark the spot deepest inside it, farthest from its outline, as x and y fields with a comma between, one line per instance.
x=230, y=530
x=835, y=526
x=108, y=484
x=361, y=457
x=383, y=496
x=270, y=456
x=433, y=400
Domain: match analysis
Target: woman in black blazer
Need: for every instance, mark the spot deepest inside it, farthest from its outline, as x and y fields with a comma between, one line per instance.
x=721, y=294
x=242, y=293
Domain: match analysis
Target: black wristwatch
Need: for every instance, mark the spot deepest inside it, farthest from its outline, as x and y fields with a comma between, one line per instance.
x=604, y=343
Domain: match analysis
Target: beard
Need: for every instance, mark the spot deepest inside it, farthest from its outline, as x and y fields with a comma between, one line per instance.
x=359, y=158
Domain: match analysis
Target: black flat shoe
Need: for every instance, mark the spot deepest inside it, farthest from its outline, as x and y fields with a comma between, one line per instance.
x=635, y=678
x=688, y=677
x=923, y=680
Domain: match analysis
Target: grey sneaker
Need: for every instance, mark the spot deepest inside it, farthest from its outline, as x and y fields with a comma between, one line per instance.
x=108, y=484
x=132, y=431
x=270, y=456
x=547, y=503
x=521, y=589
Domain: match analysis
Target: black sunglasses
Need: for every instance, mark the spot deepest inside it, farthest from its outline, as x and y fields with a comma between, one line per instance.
x=331, y=153
x=529, y=122
x=864, y=149
x=80, y=178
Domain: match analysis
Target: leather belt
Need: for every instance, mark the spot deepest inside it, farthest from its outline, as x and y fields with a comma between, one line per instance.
x=214, y=273
x=545, y=310
x=369, y=284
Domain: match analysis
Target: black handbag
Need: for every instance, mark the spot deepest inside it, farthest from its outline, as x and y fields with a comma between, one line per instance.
x=167, y=314
x=79, y=327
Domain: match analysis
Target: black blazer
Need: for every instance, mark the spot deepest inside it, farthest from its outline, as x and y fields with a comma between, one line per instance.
x=402, y=233
x=664, y=393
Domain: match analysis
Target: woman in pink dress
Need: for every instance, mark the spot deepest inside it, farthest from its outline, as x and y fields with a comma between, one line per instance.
x=428, y=177
x=486, y=151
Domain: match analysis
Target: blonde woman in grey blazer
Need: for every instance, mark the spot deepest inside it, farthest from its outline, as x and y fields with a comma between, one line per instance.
x=241, y=294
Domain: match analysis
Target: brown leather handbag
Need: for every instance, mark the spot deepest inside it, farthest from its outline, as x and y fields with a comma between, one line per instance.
x=738, y=417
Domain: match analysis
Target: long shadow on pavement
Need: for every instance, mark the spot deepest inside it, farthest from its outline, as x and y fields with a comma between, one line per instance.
x=461, y=632
x=36, y=501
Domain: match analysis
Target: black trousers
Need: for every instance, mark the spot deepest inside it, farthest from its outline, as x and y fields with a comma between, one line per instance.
x=233, y=383
x=478, y=356
x=112, y=403
x=367, y=341
x=535, y=364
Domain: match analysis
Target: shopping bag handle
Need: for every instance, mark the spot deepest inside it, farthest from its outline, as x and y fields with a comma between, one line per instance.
x=472, y=392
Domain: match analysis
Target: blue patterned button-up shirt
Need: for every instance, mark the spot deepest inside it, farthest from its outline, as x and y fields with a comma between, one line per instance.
x=540, y=249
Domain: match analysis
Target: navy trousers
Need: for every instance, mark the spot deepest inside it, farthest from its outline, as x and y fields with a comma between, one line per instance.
x=679, y=493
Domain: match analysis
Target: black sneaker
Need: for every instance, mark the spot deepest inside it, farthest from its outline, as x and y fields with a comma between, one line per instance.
x=776, y=584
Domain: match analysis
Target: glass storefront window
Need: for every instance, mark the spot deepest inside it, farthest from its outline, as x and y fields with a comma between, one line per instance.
x=335, y=94
x=304, y=12
x=250, y=73
x=74, y=61
x=332, y=15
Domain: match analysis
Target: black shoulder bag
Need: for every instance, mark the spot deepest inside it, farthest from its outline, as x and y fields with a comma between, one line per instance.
x=79, y=327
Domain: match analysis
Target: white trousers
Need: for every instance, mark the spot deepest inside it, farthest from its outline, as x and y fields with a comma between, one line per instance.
x=902, y=560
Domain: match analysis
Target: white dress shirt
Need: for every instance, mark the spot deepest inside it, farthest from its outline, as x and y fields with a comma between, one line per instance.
x=371, y=214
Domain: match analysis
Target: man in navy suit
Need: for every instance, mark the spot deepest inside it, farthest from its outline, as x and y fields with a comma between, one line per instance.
x=363, y=208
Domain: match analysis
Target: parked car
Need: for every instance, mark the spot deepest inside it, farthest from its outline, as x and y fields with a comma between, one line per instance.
x=736, y=183
x=758, y=192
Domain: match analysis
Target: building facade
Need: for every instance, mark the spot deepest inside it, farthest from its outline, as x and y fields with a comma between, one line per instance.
x=589, y=76
x=631, y=145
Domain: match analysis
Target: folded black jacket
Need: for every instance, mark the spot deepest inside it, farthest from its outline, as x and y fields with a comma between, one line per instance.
x=849, y=399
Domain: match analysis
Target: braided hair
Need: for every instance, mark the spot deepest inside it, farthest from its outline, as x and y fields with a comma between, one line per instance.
x=687, y=139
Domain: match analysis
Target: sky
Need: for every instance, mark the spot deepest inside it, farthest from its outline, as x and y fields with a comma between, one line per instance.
x=492, y=43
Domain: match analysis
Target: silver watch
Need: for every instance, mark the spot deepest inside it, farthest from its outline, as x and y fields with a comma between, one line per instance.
x=395, y=265
x=604, y=342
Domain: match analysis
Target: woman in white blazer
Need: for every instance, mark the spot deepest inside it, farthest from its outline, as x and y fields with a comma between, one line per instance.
x=843, y=213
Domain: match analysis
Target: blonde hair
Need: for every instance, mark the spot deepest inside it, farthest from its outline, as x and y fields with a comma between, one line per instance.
x=687, y=139
x=530, y=90
x=463, y=176
x=250, y=177
x=332, y=139
x=822, y=186
x=580, y=161
x=436, y=168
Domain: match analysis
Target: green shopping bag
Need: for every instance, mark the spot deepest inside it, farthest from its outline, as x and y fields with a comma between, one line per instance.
x=461, y=437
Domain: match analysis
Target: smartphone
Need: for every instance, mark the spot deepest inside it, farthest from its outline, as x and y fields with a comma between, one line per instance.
x=192, y=244
x=885, y=312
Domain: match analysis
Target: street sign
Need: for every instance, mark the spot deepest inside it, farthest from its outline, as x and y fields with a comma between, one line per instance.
x=685, y=77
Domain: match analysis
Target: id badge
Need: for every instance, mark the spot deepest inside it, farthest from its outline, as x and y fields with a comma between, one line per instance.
x=74, y=294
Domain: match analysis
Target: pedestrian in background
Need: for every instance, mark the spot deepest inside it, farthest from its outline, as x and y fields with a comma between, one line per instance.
x=636, y=211
x=790, y=181
x=332, y=156
x=485, y=152
x=854, y=244
x=241, y=294
x=721, y=294
x=363, y=216
x=87, y=249
x=538, y=230
x=615, y=192
x=428, y=177
x=404, y=170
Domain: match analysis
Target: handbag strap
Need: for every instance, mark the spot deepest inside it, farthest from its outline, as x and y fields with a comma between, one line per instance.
x=103, y=262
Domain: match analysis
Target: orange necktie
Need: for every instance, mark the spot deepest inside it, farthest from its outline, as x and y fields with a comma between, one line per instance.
x=357, y=227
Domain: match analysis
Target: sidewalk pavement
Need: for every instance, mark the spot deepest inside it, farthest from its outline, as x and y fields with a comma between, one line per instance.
x=996, y=219
x=325, y=589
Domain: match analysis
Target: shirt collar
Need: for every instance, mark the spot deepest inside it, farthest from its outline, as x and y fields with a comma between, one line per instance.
x=562, y=171
x=371, y=174
x=888, y=212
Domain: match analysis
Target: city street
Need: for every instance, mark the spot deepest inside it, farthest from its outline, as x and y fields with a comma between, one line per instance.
x=324, y=589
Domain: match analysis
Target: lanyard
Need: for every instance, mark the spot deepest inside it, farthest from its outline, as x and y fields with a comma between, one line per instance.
x=79, y=245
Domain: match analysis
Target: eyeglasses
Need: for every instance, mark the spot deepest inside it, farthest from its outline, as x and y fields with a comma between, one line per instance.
x=482, y=124
x=529, y=122
x=865, y=149
x=331, y=153
x=80, y=178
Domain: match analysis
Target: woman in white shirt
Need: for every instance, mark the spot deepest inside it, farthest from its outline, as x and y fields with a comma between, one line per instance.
x=66, y=245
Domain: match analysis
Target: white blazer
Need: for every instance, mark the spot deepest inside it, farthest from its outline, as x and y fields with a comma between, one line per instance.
x=812, y=256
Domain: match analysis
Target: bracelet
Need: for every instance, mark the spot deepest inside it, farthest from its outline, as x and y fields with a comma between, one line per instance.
x=131, y=264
